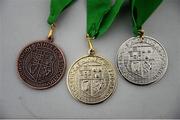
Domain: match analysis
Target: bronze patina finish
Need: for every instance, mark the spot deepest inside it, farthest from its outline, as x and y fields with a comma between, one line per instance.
x=41, y=65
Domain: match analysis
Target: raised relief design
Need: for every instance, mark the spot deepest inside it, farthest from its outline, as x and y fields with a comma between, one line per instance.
x=142, y=62
x=41, y=65
x=139, y=60
x=91, y=79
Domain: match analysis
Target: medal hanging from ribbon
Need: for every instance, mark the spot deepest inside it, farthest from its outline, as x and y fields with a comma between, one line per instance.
x=141, y=59
x=42, y=64
x=92, y=79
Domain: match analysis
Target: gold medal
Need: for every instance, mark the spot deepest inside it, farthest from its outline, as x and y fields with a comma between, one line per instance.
x=91, y=79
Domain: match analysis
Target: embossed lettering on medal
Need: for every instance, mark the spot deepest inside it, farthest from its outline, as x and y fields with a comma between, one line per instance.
x=41, y=65
x=91, y=79
x=142, y=62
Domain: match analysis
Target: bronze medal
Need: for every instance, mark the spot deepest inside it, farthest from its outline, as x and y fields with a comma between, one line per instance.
x=41, y=65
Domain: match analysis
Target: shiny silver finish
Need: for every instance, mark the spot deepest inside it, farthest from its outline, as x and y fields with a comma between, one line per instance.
x=142, y=61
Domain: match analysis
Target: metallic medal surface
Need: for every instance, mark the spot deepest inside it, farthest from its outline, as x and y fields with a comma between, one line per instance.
x=41, y=65
x=91, y=79
x=142, y=62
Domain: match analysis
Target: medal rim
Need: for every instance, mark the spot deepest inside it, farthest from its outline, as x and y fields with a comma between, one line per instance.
x=152, y=82
x=103, y=100
x=45, y=87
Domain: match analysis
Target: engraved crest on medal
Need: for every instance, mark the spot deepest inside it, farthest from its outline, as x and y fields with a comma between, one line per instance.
x=144, y=62
x=91, y=79
x=41, y=65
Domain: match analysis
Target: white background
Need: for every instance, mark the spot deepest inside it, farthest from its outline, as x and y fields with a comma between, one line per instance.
x=24, y=21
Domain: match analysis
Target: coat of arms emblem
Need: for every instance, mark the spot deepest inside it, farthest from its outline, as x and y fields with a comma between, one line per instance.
x=40, y=64
x=139, y=60
x=91, y=79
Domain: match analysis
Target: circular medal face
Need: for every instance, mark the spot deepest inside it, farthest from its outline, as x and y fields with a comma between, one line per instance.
x=142, y=62
x=91, y=79
x=41, y=65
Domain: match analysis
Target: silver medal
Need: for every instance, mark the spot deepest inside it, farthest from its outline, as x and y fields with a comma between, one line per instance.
x=142, y=62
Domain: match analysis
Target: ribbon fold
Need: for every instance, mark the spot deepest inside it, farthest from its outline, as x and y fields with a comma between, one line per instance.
x=100, y=16
x=141, y=11
x=56, y=8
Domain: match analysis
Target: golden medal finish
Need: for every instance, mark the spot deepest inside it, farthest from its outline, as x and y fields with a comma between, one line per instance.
x=91, y=79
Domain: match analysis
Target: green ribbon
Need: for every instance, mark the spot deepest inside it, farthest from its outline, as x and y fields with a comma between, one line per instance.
x=141, y=11
x=100, y=16
x=101, y=13
x=56, y=8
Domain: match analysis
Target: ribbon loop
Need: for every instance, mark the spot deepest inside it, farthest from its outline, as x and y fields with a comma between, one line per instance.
x=141, y=11
x=56, y=8
x=100, y=15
